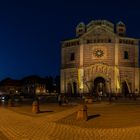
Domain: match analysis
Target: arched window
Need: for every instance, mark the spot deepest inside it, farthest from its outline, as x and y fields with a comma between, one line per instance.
x=72, y=56
x=126, y=56
x=109, y=40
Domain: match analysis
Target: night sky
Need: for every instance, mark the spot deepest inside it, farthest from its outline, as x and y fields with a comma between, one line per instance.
x=31, y=31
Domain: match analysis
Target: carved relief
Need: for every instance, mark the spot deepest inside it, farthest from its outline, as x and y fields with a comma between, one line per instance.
x=101, y=68
x=99, y=58
x=99, y=31
x=105, y=70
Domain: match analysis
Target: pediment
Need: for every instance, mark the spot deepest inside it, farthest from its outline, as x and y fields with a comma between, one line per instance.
x=99, y=32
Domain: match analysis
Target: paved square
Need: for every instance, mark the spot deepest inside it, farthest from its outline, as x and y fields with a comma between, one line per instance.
x=116, y=121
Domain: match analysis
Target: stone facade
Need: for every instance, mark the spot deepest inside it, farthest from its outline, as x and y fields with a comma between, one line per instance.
x=100, y=58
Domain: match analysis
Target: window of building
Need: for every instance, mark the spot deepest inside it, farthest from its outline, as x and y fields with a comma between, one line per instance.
x=121, y=30
x=89, y=41
x=78, y=43
x=120, y=41
x=124, y=41
x=95, y=41
x=132, y=42
x=102, y=40
x=80, y=30
x=105, y=40
x=126, y=55
x=109, y=40
x=72, y=56
x=98, y=41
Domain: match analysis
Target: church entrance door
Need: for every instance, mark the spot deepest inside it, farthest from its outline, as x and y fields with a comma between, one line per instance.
x=99, y=86
x=125, y=90
x=72, y=89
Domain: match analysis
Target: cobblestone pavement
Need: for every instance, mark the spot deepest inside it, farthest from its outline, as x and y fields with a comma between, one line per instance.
x=17, y=126
x=2, y=136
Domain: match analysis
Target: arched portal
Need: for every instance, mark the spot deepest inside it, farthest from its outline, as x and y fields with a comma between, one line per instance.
x=100, y=85
x=69, y=89
x=72, y=89
x=125, y=89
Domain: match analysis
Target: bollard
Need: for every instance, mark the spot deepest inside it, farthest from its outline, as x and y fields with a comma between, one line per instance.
x=82, y=113
x=35, y=107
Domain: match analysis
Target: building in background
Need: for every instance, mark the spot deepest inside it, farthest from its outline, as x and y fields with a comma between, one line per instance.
x=101, y=58
x=33, y=85
x=11, y=86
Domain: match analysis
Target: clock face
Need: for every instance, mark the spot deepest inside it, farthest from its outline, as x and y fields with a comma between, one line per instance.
x=99, y=53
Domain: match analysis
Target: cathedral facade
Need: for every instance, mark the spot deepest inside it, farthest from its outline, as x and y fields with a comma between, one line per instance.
x=100, y=58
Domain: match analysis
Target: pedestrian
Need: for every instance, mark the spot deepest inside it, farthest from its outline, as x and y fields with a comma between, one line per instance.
x=64, y=99
x=60, y=99
x=100, y=95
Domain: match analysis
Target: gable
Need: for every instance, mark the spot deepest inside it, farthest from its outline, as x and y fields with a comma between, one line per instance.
x=99, y=32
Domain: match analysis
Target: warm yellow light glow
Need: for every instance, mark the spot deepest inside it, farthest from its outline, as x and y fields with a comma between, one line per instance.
x=80, y=78
x=118, y=84
x=128, y=86
x=117, y=77
x=40, y=89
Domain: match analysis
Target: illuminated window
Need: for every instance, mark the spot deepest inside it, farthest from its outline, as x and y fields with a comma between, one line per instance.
x=72, y=56
x=126, y=55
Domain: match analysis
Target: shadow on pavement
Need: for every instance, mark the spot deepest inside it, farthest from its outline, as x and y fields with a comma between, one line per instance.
x=45, y=111
x=93, y=116
x=3, y=137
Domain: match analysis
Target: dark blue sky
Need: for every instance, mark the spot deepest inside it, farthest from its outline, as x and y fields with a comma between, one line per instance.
x=31, y=31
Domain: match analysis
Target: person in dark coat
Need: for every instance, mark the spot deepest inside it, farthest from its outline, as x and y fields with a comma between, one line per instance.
x=60, y=99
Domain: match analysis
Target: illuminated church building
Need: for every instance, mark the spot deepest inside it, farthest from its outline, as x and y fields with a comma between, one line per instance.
x=100, y=58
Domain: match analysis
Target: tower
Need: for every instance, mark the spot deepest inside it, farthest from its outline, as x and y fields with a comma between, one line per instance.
x=121, y=28
x=80, y=29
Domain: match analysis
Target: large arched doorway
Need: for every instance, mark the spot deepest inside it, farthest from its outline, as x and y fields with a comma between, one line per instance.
x=125, y=89
x=69, y=89
x=99, y=85
x=72, y=89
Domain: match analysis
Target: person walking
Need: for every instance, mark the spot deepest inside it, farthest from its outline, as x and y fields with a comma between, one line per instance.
x=60, y=99
x=100, y=95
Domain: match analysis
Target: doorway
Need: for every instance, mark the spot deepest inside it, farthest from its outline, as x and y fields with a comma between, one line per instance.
x=125, y=90
x=72, y=89
x=99, y=86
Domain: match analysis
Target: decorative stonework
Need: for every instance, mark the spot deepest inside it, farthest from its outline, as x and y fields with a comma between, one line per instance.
x=100, y=53
x=99, y=31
